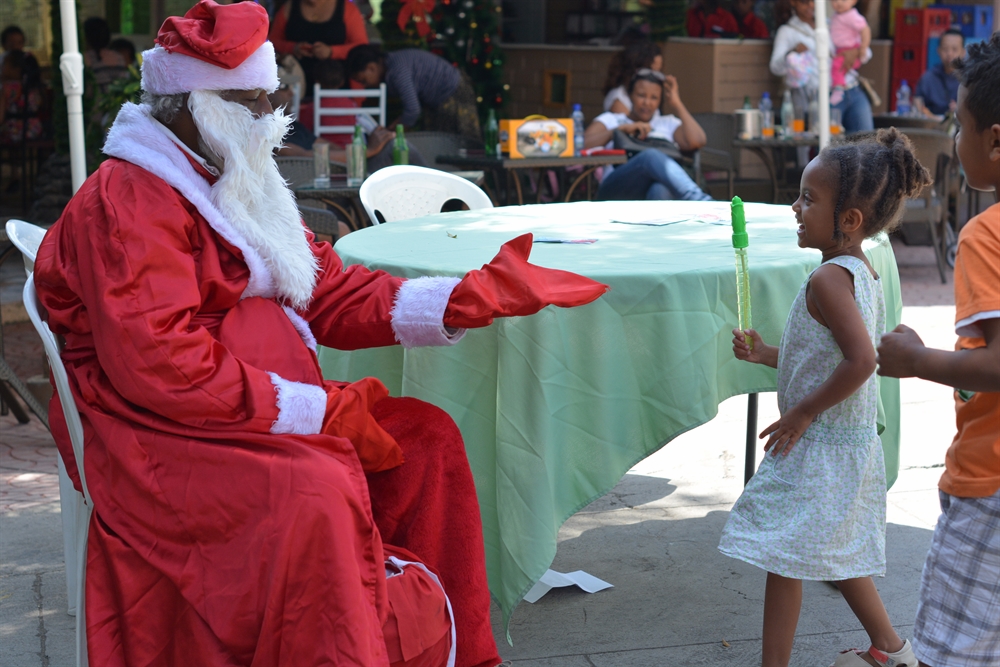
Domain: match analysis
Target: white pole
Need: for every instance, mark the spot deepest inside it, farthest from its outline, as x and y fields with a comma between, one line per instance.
x=71, y=66
x=823, y=58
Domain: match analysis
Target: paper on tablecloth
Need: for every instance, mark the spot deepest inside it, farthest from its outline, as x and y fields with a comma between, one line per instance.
x=552, y=579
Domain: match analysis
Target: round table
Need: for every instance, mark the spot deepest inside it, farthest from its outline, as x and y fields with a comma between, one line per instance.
x=556, y=407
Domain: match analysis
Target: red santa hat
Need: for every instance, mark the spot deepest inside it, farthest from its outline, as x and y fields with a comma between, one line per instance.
x=212, y=47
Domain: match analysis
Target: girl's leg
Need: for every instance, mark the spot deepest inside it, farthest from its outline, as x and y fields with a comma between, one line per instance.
x=782, y=602
x=864, y=600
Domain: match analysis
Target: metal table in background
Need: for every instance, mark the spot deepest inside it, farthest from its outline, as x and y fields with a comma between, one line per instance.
x=771, y=152
x=336, y=195
x=503, y=168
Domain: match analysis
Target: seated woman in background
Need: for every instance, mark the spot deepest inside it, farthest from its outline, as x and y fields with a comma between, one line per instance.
x=649, y=174
x=621, y=69
x=317, y=30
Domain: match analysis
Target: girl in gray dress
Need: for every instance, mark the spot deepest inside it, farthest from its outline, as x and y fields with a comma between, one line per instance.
x=815, y=509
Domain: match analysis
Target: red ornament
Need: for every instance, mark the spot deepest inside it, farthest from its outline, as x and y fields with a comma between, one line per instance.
x=419, y=11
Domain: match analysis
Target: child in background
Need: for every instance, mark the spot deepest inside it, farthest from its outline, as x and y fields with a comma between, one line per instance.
x=958, y=613
x=848, y=30
x=751, y=27
x=815, y=509
x=707, y=18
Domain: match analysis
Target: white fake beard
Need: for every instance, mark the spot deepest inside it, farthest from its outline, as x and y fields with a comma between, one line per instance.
x=251, y=193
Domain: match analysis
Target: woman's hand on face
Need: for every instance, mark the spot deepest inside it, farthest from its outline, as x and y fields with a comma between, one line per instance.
x=671, y=91
x=637, y=129
x=321, y=51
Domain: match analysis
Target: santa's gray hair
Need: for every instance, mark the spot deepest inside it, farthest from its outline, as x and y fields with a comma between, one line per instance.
x=164, y=108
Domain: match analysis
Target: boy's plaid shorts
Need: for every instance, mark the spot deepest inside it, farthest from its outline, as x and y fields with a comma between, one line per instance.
x=958, y=615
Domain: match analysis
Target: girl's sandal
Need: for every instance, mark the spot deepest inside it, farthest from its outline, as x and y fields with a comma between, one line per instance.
x=904, y=657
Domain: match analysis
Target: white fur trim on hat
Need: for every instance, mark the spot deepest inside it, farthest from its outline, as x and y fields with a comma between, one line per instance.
x=301, y=407
x=418, y=314
x=165, y=73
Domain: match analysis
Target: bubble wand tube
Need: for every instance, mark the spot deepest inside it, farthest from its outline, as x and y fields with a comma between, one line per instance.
x=740, y=243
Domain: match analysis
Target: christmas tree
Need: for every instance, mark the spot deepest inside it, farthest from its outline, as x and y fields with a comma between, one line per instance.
x=395, y=38
x=466, y=33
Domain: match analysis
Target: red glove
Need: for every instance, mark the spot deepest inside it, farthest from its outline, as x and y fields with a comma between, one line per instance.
x=348, y=415
x=510, y=286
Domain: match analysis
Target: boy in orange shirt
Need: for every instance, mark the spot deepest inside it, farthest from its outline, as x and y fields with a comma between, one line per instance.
x=958, y=615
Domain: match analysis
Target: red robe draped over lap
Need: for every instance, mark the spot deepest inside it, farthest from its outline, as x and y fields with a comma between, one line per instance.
x=214, y=541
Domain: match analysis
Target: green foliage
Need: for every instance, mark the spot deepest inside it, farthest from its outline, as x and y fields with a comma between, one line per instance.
x=394, y=39
x=667, y=19
x=466, y=33
x=104, y=107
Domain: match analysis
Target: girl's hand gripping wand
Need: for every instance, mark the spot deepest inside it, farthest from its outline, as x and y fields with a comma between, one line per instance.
x=740, y=243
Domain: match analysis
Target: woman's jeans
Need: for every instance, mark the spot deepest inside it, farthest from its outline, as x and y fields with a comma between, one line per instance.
x=650, y=175
x=855, y=111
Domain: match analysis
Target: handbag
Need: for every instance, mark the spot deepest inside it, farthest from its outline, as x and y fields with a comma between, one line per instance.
x=869, y=91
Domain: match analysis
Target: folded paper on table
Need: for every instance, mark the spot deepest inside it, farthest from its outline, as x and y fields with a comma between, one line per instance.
x=552, y=579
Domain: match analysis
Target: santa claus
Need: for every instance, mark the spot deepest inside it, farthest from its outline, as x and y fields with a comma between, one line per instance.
x=243, y=506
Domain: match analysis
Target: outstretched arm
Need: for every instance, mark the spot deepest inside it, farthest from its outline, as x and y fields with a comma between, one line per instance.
x=902, y=354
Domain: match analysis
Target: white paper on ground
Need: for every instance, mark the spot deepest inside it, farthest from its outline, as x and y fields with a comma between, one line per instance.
x=552, y=579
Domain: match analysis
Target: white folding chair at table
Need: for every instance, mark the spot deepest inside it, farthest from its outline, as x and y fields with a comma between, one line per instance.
x=75, y=507
x=403, y=192
x=319, y=112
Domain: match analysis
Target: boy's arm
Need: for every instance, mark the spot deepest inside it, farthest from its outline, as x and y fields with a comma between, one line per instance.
x=902, y=354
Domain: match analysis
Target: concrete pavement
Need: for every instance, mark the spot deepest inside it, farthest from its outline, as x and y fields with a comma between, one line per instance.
x=675, y=601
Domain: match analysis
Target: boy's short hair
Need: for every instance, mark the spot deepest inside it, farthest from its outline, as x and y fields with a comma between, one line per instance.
x=361, y=56
x=329, y=74
x=953, y=31
x=122, y=44
x=979, y=72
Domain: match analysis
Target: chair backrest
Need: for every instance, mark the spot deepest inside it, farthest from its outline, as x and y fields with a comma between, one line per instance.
x=319, y=112
x=403, y=192
x=320, y=220
x=26, y=237
x=720, y=129
x=300, y=171
x=929, y=147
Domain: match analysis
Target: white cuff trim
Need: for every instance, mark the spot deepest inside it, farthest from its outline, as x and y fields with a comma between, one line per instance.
x=968, y=326
x=301, y=326
x=301, y=407
x=418, y=314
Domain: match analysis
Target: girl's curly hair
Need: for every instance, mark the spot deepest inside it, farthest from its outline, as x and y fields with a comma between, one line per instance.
x=625, y=63
x=876, y=171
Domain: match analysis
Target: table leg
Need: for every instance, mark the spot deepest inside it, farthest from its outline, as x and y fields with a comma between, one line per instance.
x=517, y=186
x=579, y=179
x=751, y=453
x=7, y=376
x=767, y=157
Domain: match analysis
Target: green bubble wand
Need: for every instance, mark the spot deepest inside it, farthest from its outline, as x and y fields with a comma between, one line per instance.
x=740, y=243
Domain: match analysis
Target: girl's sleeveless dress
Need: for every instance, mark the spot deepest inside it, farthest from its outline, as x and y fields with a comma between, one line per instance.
x=819, y=512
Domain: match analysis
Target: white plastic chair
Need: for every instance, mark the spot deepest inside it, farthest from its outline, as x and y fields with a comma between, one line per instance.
x=319, y=113
x=75, y=507
x=404, y=192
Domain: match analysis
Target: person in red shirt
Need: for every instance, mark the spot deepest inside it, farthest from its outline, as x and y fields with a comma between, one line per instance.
x=707, y=19
x=750, y=25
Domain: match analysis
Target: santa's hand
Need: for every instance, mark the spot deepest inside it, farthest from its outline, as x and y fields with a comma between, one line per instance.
x=509, y=286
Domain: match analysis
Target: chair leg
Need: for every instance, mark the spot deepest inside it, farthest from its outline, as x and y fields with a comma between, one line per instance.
x=938, y=250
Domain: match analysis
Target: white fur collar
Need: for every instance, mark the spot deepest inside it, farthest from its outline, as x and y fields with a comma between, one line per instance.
x=136, y=137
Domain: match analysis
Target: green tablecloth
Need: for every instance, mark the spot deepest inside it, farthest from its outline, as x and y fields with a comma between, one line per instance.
x=556, y=407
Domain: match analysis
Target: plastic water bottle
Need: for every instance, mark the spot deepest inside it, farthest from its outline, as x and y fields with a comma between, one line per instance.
x=787, y=114
x=357, y=159
x=766, y=116
x=903, y=99
x=577, y=129
x=400, y=149
x=491, y=135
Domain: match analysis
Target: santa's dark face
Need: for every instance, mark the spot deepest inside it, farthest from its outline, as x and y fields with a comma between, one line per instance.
x=254, y=100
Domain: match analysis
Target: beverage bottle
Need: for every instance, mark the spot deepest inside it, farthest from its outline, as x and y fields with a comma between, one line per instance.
x=577, y=129
x=746, y=102
x=400, y=149
x=787, y=114
x=903, y=98
x=491, y=135
x=357, y=159
x=766, y=116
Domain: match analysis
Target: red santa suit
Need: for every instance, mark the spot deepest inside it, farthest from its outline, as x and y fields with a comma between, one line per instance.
x=243, y=506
